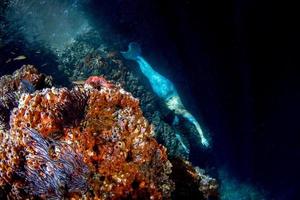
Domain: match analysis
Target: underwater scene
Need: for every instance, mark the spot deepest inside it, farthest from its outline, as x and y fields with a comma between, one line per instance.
x=149, y=99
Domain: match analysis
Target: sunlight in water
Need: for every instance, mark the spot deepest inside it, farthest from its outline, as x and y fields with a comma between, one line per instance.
x=55, y=23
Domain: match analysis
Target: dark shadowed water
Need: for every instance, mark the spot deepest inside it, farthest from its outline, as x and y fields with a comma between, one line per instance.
x=234, y=63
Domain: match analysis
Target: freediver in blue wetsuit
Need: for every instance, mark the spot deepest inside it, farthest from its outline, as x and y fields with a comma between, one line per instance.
x=163, y=87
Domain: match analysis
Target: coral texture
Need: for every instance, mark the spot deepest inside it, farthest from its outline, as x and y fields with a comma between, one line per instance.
x=101, y=128
x=12, y=86
x=92, y=55
x=191, y=182
x=11, y=83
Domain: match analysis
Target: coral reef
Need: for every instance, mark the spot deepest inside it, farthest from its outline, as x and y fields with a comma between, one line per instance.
x=192, y=183
x=93, y=141
x=92, y=55
x=12, y=86
x=104, y=127
x=11, y=83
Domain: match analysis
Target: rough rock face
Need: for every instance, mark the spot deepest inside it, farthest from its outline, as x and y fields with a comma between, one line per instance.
x=191, y=182
x=105, y=127
x=89, y=55
x=88, y=142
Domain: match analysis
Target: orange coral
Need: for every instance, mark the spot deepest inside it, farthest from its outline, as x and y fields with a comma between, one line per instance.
x=9, y=93
x=41, y=111
x=9, y=158
x=116, y=141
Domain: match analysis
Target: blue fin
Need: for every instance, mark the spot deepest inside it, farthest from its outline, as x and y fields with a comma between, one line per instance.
x=134, y=50
x=26, y=86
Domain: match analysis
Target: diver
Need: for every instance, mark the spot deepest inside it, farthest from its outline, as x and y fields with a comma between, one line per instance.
x=164, y=88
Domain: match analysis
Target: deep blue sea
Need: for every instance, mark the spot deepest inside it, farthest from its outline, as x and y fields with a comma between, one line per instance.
x=234, y=64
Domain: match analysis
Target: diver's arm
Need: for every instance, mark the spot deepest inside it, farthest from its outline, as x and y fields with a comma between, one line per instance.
x=192, y=119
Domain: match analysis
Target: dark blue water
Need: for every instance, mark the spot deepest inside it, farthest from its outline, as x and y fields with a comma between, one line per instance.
x=235, y=65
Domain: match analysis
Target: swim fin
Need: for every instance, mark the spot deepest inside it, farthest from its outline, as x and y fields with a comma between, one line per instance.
x=134, y=50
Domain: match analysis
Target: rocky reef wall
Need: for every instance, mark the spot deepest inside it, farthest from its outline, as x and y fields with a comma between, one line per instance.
x=90, y=141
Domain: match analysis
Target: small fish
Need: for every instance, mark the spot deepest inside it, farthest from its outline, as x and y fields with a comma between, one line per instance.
x=80, y=82
x=26, y=86
x=22, y=57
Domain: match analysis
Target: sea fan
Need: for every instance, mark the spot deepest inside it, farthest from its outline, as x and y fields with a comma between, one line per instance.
x=53, y=169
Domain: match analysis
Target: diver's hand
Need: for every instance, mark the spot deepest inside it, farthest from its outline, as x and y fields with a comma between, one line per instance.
x=204, y=142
